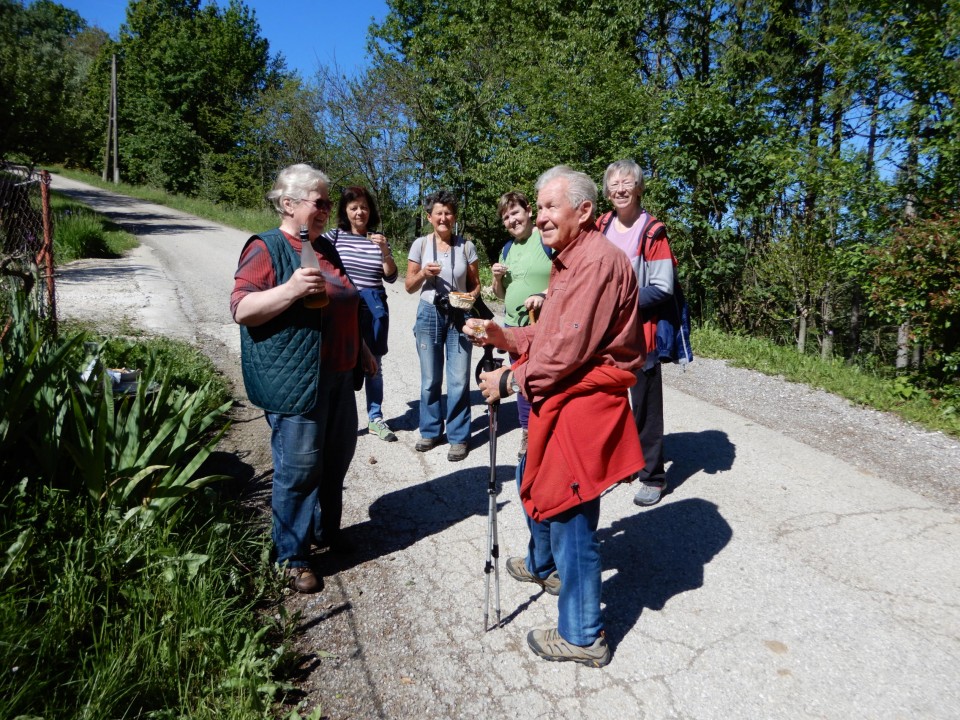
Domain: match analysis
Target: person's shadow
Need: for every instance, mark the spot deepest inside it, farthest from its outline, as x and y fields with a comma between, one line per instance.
x=657, y=554
x=708, y=451
x=403, y=517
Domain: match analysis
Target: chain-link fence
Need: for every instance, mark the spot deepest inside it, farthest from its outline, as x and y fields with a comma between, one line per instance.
x=26, y=231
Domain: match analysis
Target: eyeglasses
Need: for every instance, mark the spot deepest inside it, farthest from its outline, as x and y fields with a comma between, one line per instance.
x=322, y=204
x=628, y=186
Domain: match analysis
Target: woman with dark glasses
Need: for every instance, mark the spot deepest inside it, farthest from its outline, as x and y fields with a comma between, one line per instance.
x=298, y=363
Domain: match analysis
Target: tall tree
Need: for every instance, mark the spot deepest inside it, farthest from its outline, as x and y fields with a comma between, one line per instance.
x=187, y=74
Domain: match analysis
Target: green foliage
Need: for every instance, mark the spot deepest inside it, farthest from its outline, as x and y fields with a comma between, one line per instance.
x=915, y=279
x=78, y=232
x=187, y=74
x=46, y=52
x=883, y=391
x=81, y=438
x=128, y=588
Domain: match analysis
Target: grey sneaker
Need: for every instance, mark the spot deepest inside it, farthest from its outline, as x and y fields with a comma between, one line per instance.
x=649, y=493
x=550, y=646
x=425, y=444
x=517, y=569
x=379, y=428
x=457, y=452
x=523, y=445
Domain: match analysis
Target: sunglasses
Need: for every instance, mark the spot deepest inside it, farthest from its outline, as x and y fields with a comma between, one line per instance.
x=322, y=204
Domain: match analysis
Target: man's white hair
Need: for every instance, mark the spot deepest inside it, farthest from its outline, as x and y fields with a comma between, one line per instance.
x=580, y=188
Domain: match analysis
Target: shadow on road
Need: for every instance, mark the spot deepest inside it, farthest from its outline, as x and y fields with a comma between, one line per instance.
x=157, y=223
x=402, y=518
x=657, y=554
x=708, y=451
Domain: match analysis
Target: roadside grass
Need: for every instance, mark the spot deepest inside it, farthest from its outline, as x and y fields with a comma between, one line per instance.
x=79, y=232
x=251, y=220
x=863, y=387
x=129, y=585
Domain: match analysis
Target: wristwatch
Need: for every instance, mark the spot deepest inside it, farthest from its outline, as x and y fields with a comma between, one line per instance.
x=508, y=378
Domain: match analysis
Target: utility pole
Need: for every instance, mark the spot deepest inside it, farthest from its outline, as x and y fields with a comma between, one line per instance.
x=112, y=128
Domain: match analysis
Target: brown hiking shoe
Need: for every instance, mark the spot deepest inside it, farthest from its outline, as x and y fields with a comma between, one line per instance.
x=517, y=569
x=302, y=579
x=550, y=646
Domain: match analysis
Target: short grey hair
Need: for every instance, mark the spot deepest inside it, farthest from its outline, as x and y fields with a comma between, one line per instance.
x=296, y=182
x=623, y=167
x=580, y=188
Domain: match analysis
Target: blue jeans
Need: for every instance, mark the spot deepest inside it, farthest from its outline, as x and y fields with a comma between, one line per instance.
x=439, y=341
x=568, y=544
x=311, y=455
x=373, y=387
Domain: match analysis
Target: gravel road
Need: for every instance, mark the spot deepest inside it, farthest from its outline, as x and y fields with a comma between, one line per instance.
x=804, y=563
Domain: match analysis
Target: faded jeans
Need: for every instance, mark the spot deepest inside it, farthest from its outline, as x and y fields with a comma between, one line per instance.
x=311, y=455
x=568, y=544
x=439, y=341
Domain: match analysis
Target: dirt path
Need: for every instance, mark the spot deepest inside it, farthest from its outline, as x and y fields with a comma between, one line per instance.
x=803, y=565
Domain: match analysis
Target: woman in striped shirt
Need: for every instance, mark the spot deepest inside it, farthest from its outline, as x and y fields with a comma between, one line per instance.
x=369, y=262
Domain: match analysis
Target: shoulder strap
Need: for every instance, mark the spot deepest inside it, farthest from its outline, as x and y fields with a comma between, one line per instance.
x=605, y=220
x=509, y=244
x=652, y=228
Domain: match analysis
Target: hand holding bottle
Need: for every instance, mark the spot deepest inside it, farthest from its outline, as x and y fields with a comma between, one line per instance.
x=316, y=295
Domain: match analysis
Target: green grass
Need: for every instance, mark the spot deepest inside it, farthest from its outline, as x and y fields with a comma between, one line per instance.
x=129, y=585
x=250, y=220
x=79, y=232
x=940, y=411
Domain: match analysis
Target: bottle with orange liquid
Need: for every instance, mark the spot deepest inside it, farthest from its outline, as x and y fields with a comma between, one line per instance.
x=308, y=259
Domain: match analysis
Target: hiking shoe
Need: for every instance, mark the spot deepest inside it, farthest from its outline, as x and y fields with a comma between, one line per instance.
x=550, y=646
x=424, y=444
x=523, y=445
x=649, y=493
x=517, y=569
x=379, y=428
x=302, y=579
x=457, y=452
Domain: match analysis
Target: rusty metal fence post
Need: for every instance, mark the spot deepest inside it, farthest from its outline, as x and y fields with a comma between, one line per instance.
x=26, y=234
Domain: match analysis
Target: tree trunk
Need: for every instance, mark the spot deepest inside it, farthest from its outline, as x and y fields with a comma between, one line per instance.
x=856, y=305
x=903, y=346
x=826, y=314
x=802, y=333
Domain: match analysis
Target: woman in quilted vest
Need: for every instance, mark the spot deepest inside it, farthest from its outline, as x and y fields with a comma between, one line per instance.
x=298, y=360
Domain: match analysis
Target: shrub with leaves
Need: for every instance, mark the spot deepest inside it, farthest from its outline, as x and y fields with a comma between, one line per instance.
x=916, y=279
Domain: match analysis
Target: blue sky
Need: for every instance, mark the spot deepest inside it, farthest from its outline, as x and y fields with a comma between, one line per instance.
x=308, y=32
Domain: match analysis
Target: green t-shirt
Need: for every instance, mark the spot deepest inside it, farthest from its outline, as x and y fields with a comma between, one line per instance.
x=529, y=274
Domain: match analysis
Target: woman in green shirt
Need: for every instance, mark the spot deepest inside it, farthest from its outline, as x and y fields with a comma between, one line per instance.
x=520, y=278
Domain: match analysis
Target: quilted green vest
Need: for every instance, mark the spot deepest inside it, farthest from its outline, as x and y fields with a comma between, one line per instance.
x=281, y=358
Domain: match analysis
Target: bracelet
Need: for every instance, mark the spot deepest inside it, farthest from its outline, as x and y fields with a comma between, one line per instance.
x=504, y=385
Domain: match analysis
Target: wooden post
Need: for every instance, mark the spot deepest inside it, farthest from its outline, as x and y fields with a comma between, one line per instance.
x=113, y=108
x=47, y=250
x=112, y=128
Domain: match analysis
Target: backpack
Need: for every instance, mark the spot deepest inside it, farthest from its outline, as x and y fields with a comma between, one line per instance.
x=673, y=326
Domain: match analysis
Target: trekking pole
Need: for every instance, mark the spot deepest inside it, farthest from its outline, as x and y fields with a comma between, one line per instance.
x=487, y=364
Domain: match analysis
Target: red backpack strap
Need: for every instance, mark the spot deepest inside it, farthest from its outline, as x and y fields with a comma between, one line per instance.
x=652, y=229
x=603, y=222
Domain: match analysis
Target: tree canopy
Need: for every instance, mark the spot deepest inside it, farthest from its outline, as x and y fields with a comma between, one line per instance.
x=782, y=140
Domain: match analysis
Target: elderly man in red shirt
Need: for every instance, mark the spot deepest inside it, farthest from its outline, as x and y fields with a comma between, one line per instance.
x=576, y=366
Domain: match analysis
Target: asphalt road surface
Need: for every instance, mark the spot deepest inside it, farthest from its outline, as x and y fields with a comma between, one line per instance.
x=786, y=575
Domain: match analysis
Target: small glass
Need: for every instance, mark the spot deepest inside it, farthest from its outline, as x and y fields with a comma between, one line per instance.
x=477, y=329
